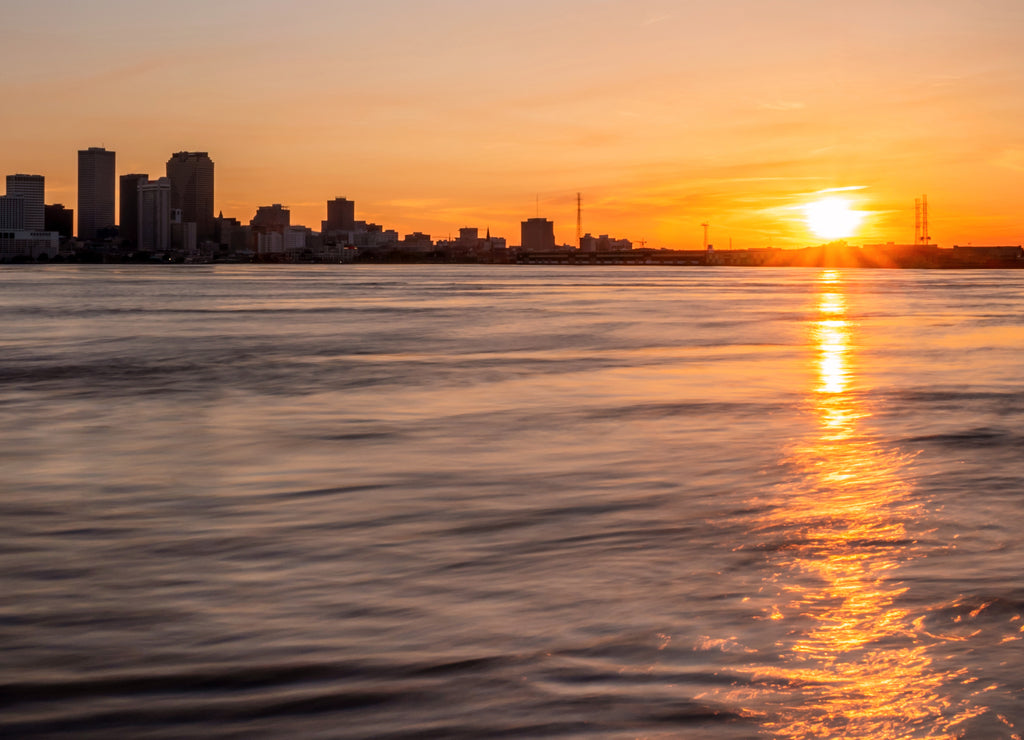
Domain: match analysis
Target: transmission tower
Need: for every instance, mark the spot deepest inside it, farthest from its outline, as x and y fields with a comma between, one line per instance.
x=921, y=235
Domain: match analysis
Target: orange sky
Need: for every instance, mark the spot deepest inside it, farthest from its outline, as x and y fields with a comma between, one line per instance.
x=436, y=114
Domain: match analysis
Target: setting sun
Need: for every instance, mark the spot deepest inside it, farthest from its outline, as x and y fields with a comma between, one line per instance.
x=832, y=218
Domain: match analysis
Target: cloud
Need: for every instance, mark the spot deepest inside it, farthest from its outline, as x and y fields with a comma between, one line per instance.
x=1011, y=159
x=657, y=19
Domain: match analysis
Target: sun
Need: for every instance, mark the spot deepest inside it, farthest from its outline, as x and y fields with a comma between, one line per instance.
x=832, y=218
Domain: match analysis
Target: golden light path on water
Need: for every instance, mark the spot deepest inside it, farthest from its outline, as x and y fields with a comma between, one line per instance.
x=852, y=663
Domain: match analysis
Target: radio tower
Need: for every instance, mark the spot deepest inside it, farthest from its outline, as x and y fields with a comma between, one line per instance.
x=579, y=220
x=921, y=235
x=705, y=225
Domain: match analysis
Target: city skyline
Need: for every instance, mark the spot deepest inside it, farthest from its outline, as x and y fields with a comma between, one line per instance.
x=438, y=116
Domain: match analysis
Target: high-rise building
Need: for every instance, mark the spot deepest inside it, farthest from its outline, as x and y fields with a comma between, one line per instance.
x=341, y=216
x=128, y=209
x=191, y=176
x=538, y=235
x=12, y=212
x=60, y=219
x=153, y=220
x=95, y=192
x=33, y=189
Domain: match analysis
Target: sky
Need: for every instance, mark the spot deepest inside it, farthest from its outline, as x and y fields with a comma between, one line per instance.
x=438, y=114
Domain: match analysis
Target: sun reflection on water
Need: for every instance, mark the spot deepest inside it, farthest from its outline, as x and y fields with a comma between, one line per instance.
x=852, y=662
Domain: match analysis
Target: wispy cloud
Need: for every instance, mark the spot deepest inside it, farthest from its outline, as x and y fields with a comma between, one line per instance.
x=1012, y=159
x=653, y=20
x=845, y=189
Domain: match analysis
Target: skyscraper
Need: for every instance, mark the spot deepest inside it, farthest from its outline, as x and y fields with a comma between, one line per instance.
x=128, y=210
x=32, y=188
x=191, y=176
x=95, y=191
x=153, y=224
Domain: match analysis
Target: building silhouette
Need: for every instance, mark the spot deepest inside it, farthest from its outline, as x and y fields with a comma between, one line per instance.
x=191, y=177
x=271, y=229
x=604, y=243
x=153, y=219
x=60, y=219
x=538, y=235
x=271, y=218
x=341, y=216
x=95, y=192
x=183, y=233
x=128, y=208
x=33, y=189
x=12, y=212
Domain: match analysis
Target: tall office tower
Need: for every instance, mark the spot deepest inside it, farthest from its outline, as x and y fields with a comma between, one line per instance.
x=95, y=192
x=538, y=235
x=341, y=216
x=60, y=219
x=32, y=188
x=153, y=220
x=12, y=212
x=191, y=176
x=128, y=210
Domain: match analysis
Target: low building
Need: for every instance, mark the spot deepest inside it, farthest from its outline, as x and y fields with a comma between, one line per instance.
x=604, y=243
x=418, y=242
x=986, y=255
x=184, y=235
x=294, y=238
x=32, y=245
x=269, y=242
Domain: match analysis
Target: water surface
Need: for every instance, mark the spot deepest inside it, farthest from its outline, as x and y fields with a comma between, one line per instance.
x=464, y=502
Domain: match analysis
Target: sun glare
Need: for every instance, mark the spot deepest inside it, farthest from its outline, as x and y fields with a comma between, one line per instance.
x=832, y=218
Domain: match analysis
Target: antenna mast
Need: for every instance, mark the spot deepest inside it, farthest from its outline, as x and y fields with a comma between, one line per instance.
x=579, y=220
x=925, y=236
